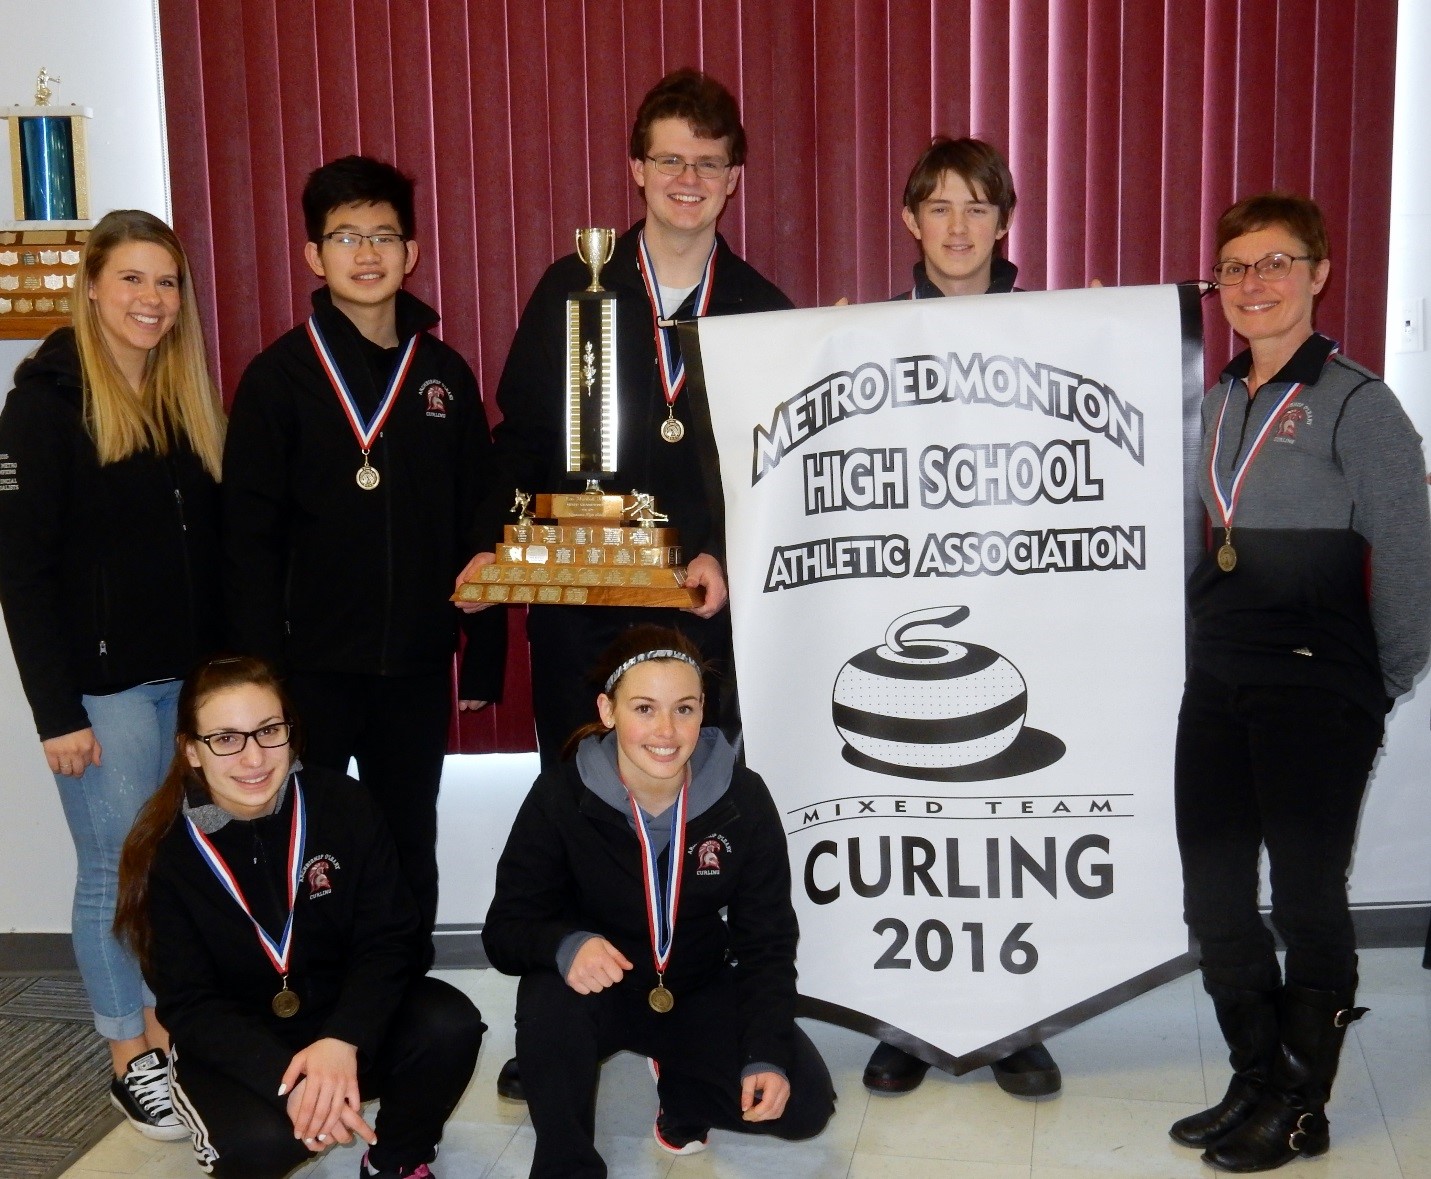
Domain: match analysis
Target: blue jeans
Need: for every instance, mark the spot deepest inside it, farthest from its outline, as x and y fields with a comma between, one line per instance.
x=135, y=730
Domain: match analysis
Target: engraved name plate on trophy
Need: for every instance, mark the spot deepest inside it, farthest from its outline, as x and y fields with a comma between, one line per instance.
x=585, y=549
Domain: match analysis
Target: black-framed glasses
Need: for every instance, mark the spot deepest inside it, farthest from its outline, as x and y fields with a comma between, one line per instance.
x=231, y=741
x=1269, y=269
x=348, y=240
x=675, y=165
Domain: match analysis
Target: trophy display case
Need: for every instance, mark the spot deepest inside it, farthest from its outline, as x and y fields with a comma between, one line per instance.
x=49, y=183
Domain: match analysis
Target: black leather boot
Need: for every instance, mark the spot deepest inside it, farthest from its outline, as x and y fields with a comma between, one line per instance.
x=1248, y=1020
x=1290, y=1119
x=509, y=1082
x=1028, y=1072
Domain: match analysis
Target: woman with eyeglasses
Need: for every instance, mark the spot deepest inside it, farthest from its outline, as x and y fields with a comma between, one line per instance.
x=1311, y=613
x=282, y=942
x=109, y=533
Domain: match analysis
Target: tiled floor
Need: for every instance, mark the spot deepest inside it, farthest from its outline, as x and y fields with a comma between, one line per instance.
x=1127, y=1075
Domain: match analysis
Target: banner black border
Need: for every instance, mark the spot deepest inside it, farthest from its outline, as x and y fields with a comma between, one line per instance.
x=1061, y=1021
x=707, y=453
x=1190, y=297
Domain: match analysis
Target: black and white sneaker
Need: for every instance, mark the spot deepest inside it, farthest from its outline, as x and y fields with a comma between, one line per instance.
x=142, y=1096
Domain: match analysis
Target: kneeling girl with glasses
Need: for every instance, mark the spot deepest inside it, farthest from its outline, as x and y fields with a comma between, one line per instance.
x=609, y=903
x=266, y=905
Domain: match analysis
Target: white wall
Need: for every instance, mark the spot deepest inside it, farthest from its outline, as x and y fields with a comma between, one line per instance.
x=106, y=52
x=479, y=800
x=1393, y=859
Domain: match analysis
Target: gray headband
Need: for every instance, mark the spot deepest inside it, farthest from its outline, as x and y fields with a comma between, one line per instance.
x=659, y=653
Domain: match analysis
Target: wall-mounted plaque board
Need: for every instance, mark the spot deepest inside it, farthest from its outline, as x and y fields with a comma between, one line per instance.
x=37, y=280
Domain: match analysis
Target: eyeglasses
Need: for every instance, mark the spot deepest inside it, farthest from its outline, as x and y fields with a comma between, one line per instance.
x=676, y=165
x=1269, y=269
x=348, y=240
x=230, y=741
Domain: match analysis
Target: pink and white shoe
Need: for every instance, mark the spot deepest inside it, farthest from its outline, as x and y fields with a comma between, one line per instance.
x=366, y=1170
x=679, y=1139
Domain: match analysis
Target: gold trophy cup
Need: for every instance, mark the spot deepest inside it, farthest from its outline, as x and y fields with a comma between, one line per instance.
x=587, y=548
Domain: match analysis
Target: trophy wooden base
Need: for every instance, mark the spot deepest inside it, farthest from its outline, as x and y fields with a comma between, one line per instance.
x=527, y=593
x=588, y=557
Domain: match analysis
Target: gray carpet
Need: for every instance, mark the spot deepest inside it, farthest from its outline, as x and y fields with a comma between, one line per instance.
x=54, y=1077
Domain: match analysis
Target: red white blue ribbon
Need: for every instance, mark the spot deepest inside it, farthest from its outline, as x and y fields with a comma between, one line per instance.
x=277, y=951
x=1227, y=499
x=668, y=348
x=663, y=898
x=366, y=432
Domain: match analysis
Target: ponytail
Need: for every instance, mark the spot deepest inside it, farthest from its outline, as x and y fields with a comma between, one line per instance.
x=158, y=815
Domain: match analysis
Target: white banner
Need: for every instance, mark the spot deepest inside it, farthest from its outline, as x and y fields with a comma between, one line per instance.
x=955, y=545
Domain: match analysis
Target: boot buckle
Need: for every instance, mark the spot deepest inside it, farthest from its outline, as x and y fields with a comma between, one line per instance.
x=1348, y=1015
x=1299, y=1132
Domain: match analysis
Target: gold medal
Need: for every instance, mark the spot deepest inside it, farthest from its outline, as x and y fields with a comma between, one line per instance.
x=285, y=1004
x=662, y=902
x=669, y=361
x=1227, y=555
x=366, y=432
x=1227, y=498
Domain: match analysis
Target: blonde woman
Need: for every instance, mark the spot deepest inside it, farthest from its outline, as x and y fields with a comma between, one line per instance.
x=109, y=582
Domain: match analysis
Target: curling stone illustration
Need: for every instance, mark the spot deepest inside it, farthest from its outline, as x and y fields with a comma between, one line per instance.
x=922, y=705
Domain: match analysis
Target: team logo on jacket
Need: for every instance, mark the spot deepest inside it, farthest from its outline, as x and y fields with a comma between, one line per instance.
x=1296, y=414
x=708, y=853
x=435, y=395
x=319, y=872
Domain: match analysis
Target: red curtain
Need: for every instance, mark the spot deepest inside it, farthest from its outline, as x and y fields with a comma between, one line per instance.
x=1129, y=126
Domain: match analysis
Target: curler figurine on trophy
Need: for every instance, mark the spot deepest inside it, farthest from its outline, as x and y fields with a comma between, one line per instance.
x=587, y=548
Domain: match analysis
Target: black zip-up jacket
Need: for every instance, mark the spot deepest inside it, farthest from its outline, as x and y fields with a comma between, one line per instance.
x=1332, y=586
x=1003, y=274
x=355, y=945
x=323, y=576
x=109, y=575
x=572, y=864
x=530, y=440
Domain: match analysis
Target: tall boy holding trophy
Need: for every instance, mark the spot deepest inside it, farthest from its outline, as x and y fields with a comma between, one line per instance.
x=357, y=455
x=687, y=149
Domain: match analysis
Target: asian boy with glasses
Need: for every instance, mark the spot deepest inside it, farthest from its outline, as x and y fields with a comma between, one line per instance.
x=357, y=453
